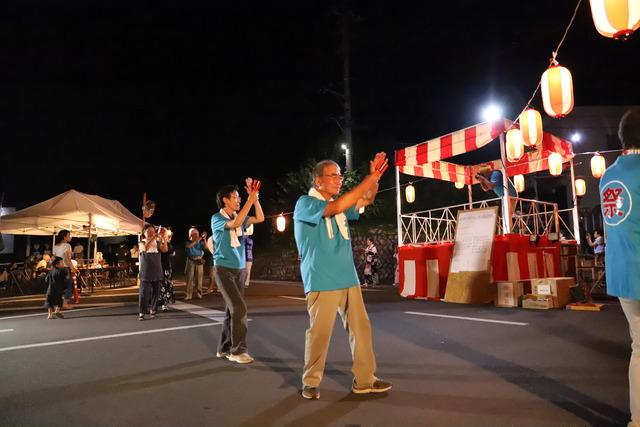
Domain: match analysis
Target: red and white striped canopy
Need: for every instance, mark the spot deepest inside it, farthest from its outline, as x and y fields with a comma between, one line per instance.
x=462, y=141
x=424, y=159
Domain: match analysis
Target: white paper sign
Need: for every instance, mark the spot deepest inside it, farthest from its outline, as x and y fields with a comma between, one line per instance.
x=474, y=238
x=544, y=289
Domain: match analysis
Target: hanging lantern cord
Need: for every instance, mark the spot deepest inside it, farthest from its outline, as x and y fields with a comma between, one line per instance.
x=566, y=31
x=553, y=61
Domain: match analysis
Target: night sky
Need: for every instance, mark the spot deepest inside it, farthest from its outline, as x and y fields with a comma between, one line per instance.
x=177, y=98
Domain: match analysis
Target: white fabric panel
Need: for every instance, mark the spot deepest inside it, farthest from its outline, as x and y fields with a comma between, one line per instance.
x=409, y=285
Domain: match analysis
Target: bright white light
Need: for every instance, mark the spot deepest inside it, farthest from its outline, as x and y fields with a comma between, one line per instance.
x=491, y=113
x=344, y=146
x=576, y=137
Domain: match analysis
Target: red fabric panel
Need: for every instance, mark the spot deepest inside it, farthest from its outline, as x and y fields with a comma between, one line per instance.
x=446, y=149
x=401, y=159
x=422, y=154
x=470, y=139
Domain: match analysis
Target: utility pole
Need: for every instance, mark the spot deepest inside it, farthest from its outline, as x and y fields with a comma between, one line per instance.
x=345, y=16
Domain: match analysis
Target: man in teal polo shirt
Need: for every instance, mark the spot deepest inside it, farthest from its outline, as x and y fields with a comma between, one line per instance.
x=329, y=275
x=228, y=226
x=619, y=199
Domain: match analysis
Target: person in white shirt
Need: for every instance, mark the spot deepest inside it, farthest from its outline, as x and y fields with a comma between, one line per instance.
x=63, y=250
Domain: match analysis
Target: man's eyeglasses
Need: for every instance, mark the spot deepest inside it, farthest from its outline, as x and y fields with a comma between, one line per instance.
x=335, y=176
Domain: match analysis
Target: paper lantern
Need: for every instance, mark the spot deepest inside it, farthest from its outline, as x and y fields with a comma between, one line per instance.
x=281, y=223
x=555, y=164
x=581, y=187
x=557, y=91
x=531, y=127
x=598, y=165
x=361, y=210
x=459, y=185
x=410, y=193
x=518, y=181
x=515, y=145
x=616, y=19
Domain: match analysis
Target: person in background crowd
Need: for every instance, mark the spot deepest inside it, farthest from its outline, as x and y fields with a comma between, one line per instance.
x=43, y=265
x=619, y=198
x=228, y=226
x=211, y=247
x=62, y=249
x=47, y=249
x=194, y=267
x=134, y=254
x=56, y=281
x=597, y=243
x=166, y=289
x=151, y=274
x=329, y=275
x=248, y=246
x=370, y=264
x=36, y=251
x=78, y=251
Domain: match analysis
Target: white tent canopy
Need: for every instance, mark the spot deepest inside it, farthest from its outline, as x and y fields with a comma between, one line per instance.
x=83, y=214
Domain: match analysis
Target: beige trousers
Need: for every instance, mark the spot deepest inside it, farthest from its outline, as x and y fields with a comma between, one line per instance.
x=194, y=274
x=322, y=307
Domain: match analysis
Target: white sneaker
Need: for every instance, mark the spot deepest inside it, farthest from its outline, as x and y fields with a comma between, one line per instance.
x=221, y=355
x=240, y=358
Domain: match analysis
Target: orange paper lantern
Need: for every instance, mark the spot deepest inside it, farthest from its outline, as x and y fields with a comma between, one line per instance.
x=410, y=193
x=581, y=187
x=598, y=165
x=518, y=182
x=557, y=91
x=515, y=145
x=616, y=19
x=555, y=164
x=459, y=185
x=531, y=127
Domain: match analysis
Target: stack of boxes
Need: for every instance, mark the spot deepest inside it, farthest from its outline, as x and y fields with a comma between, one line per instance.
x=545, y=293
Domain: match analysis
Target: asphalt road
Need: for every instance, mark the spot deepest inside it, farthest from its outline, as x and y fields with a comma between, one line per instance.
x=102, y=367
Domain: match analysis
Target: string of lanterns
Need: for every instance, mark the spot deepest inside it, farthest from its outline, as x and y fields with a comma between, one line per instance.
x=617, y=19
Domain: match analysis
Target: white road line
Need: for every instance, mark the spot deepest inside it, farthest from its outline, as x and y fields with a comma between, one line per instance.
x=298, y=298
x=106, y=337
x=6, y=330
x=209, y=313
x=474, y=319
x=44, y=313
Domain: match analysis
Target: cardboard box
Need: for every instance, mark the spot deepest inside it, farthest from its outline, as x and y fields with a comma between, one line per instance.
x=589, y=306
x=556, y=287
x=509, y=294
x=537, y=302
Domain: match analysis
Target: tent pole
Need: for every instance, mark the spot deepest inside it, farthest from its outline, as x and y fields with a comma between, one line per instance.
x=576, y=220
x=506, y=213
x=398, y=207
x=470, y=196
x=89, y=240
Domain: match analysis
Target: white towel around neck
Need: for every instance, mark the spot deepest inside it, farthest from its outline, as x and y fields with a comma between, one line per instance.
x=234, y=233
x=341, y=218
